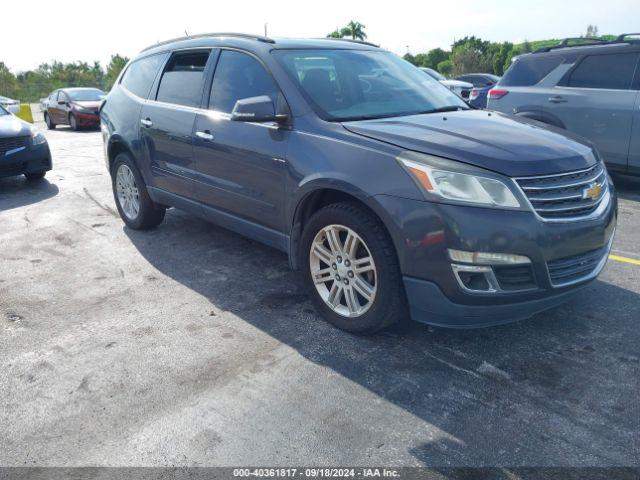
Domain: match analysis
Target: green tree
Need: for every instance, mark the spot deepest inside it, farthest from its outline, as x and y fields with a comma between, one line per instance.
x=445, y=67
x=8, y=82
x=502, y=58
x=355, y=30
x=592, y=31
x=435, y=56
x=472, y=55
x=116, y=64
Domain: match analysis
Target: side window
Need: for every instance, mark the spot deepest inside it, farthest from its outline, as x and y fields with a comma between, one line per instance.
x=614, y=71
x=530, y=70
x=183, y=79
x=239, y=75
x=140, y=75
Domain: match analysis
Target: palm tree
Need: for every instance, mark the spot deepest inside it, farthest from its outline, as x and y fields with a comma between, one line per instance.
x=355, y=30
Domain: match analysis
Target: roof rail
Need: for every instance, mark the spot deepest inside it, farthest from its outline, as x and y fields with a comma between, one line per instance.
x=620, y=38
x=205, y=35
x=565, y=43
x=585, y=41
x=351, y=40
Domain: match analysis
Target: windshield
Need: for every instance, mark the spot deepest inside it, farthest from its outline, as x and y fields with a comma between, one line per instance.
x=3, y=111
x=432, y=73
x=93, y=95
x=346, y=85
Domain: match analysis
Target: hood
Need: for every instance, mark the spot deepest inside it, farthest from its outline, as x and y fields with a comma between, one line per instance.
x=505, y=144
x=91, y=105
x=456, y=84
x=12, y=126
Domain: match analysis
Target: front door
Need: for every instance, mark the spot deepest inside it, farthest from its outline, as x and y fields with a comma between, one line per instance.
x=634, y=146
x=59, y=113
x=167, y=120
x=241, y=164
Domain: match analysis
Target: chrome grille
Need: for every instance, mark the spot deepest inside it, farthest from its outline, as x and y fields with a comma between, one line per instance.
x=568, y=270
x=565, y=196
x=8, y=144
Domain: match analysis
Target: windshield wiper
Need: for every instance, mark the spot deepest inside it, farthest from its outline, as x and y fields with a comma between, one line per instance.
x=448, y=108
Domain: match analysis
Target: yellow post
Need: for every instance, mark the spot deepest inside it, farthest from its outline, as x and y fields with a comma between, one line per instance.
x=25, y=113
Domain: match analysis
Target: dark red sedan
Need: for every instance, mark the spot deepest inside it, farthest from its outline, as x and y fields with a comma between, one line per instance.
x=76, y=107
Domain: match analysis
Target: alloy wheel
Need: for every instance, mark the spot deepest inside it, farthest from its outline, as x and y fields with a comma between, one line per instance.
x=128, y=196
x=343, y=270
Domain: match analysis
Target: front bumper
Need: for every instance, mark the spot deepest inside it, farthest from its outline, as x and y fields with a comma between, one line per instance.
x=423, y=232
x=33, y=159
x=87, y=119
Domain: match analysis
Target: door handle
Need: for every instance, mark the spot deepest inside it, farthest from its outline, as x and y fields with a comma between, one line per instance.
x=207, y=136
x=557, y=99
x=146, y=122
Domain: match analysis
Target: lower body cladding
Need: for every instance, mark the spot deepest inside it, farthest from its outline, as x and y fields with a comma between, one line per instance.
x=466, y=267
x=30, y=159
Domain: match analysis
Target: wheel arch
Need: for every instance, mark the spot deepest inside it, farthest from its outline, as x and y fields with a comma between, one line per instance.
x=319, y=194
x=540, y=116
x=115, y=147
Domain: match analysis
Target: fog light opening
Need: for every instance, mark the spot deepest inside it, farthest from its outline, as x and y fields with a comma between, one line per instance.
x=474, y=281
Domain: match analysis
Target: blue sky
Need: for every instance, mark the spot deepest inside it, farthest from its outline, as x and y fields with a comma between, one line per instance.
x=90, y=32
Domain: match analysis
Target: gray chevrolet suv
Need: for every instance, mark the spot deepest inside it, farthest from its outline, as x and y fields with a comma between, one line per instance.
x=382, y=186
x=591, y=88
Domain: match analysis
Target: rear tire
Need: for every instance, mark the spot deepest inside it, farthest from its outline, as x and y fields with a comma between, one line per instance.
x=73, y=122
x=35, y=176
x=370, y=294
x=49, y=122
x=134, y=204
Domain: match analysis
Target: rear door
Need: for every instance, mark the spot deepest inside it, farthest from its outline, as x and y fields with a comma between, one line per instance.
x=167, y=120
x=241, y=164
x=596, y=100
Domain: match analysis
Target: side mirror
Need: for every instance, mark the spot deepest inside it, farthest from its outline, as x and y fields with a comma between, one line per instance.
x=256, y=109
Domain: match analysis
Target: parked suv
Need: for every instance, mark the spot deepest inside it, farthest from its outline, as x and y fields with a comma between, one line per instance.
x=76, y=107
x=591, y=89
x=382, y=186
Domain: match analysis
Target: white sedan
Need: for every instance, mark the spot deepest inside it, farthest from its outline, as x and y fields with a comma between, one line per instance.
x=462, y=89
x=12, y=105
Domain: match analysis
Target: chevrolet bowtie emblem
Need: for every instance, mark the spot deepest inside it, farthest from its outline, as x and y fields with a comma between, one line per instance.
x=593, y=192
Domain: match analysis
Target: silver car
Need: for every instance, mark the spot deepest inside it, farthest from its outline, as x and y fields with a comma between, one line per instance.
x=591, y=89
x=460, y=88
x=9, y=104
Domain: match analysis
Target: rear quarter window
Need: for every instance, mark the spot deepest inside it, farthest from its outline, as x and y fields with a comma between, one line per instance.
x=140, y=75
x=183, y=79
x=610, y=71
x=530, y=70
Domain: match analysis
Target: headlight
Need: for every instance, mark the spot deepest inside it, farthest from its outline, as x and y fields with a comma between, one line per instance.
x=459, y=182
x=37, y=138
x=80, y=109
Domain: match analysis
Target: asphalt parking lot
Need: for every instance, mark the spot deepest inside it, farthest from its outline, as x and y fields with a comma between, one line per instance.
x=190, y=345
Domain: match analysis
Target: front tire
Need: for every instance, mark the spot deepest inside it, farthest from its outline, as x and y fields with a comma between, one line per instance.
x=351, y=269
x=49, y=122
x=73, y=122
x=35, y=176
x=134, y=204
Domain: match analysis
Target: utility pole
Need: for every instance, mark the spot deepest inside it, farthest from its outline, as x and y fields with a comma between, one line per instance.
x=265, y=29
